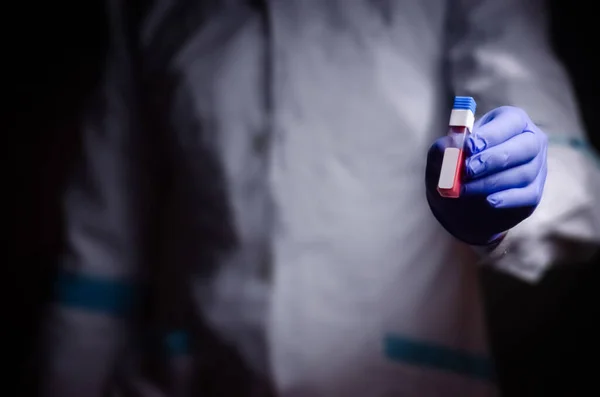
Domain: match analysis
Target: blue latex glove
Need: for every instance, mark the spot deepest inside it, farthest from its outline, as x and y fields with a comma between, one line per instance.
x=503, y=179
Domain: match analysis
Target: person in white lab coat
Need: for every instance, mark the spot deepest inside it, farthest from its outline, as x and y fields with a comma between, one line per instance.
x=252, y=181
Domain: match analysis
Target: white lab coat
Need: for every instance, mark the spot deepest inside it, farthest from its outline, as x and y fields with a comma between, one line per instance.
x=272, y=157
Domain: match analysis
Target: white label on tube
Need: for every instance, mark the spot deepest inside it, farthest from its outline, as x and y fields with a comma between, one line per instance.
x=449, y=168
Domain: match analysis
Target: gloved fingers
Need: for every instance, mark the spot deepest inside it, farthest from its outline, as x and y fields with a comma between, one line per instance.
x=512, y=178
x=516, y=151
x=528, y=196
x=496, y=127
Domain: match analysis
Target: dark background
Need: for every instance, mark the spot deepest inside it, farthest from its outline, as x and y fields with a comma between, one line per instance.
x=545, y=337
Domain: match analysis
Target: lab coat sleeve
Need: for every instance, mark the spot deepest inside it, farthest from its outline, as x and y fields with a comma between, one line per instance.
x=108, y=205
x=501, y=55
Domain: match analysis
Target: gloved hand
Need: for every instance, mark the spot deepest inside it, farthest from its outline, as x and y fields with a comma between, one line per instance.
x=503, y=179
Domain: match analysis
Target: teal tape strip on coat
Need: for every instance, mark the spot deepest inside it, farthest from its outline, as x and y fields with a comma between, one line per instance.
x=177, y=343
x=436, y=357
x=94, y=294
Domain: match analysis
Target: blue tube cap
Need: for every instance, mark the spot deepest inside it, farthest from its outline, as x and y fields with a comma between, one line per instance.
x=465, y=102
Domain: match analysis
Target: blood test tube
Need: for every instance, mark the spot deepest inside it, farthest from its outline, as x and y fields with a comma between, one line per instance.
x=461, y=122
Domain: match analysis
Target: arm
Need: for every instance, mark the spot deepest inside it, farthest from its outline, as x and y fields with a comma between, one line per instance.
x=500, y=54
x=107, y=207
